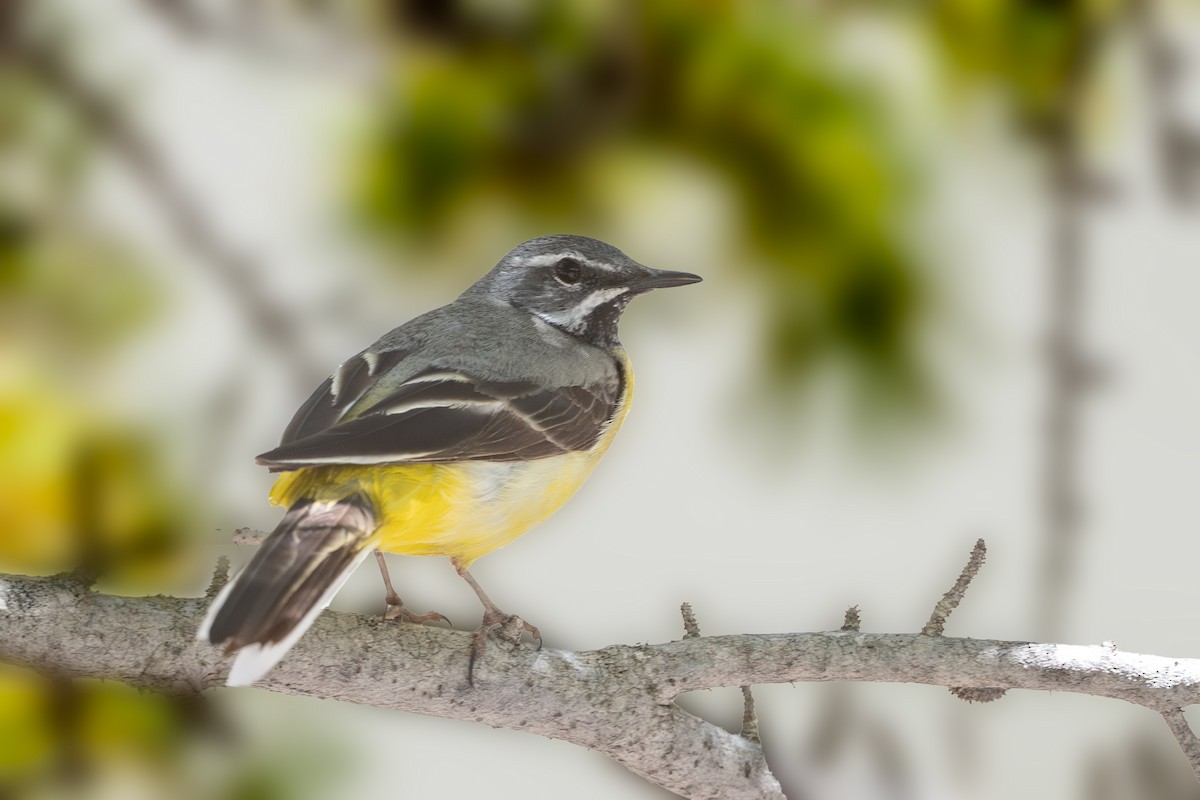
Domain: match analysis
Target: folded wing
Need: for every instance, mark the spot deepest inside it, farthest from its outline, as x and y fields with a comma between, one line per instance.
x=440, y=415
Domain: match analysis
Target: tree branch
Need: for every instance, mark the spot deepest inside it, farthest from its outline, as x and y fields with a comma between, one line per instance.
x=607, y=700
x=618, y=700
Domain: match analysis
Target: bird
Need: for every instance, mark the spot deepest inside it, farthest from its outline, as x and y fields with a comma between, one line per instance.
x=452, y=435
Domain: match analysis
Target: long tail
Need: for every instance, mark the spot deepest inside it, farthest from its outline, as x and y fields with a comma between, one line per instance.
x=273, y=600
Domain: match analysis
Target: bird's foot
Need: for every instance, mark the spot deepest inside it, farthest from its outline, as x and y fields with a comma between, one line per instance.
x=404, y=615
x=509, y=627
x=397, y=610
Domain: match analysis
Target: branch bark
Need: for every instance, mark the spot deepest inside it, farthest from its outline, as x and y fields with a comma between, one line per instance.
x=618, y=700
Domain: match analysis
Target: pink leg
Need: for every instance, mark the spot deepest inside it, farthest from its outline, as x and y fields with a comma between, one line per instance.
x=395, y=606
x=510, y=626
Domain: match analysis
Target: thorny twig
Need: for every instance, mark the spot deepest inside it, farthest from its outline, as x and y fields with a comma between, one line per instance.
x=691, y=628
x=951, y=599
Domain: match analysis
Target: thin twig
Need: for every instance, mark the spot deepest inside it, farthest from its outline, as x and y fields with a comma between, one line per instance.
x=220, y=577
x=249, y=536
x=852, y=621
x=749, y=716
x=691, y=628
x=1186, y=737
x=951, y=599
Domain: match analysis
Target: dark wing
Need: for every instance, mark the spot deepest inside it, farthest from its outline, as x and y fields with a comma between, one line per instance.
x=338, y=394
x=442, y=415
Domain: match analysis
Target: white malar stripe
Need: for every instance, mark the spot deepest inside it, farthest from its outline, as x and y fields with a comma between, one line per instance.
x=256, y=660
x=574, y=318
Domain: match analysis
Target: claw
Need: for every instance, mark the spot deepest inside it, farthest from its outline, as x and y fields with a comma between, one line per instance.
x=401, y=613
x=476, y=652
x=395, y=608
x=510, y=627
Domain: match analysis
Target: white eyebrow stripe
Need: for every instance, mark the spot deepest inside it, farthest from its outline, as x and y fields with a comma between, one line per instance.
x=547, y=259
x=603, y=266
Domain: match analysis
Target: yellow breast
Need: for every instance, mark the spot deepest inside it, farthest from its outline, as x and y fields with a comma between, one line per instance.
x=462, y=509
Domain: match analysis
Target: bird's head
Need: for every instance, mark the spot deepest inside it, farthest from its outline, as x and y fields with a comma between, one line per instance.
x=576, y=284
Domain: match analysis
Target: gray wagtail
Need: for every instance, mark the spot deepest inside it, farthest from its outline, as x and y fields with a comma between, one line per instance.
x=450, y=436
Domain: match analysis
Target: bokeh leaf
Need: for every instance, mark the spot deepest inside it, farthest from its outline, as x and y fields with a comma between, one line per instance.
x=520, y=102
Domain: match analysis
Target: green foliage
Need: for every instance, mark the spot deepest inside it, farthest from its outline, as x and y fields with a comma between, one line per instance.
x=1037, y=53
x=56, y=732
x=81, y=487
x=520, y=101
x=88, y=738
x=70, y=290
x=79, y=491
x=66, y=287
x=27, y=740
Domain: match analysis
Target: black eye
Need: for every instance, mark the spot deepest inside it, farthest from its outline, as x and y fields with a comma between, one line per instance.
x=568, y=271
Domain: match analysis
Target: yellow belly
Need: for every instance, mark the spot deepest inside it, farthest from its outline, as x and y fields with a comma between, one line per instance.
x=462, y=509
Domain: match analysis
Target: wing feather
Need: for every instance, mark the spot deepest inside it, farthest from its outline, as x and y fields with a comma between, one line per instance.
x=330, y=403
x=442, y=415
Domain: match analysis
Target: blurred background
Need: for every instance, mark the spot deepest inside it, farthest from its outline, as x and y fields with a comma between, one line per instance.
x=950, y=256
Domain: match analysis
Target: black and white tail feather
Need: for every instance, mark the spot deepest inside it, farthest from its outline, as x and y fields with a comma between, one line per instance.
x=264, y=609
